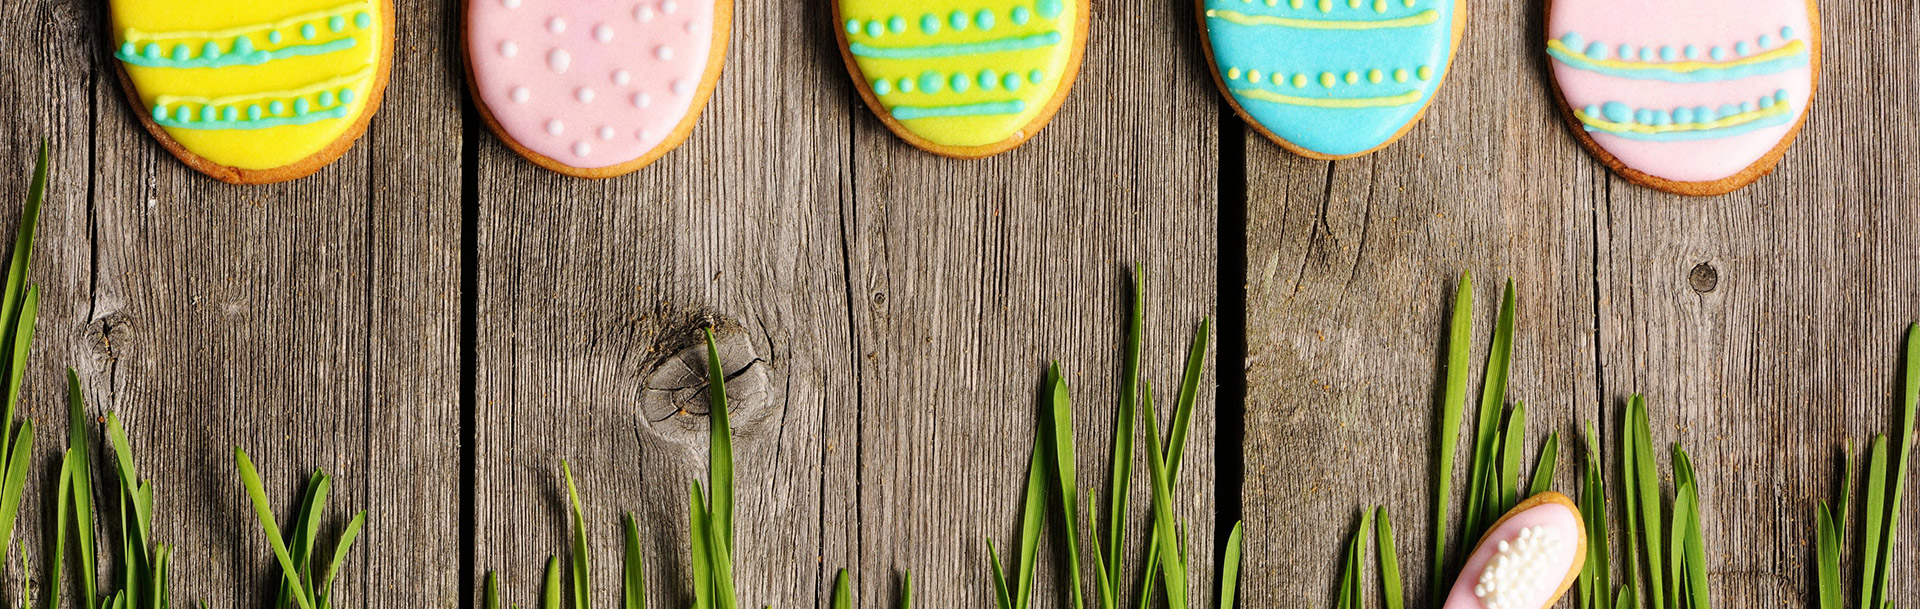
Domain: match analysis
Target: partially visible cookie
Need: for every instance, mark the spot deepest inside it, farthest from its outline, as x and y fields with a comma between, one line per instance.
x=254, y=92
x=1331, y=79
x=595, y=89
x=1697, y=98
x=963, y=78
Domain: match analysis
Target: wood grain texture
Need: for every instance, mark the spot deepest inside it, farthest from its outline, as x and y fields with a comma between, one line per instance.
x=1761, y=325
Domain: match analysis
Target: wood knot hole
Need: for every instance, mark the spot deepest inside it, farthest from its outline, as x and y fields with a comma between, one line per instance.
x=675, y=401
x=1704, y=278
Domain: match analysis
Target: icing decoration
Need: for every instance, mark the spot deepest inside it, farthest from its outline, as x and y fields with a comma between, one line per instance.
x=1334, y=78
x=1691, y=92
x=1526, y=561
x=592, y=85
x=252, y=85
x=971, y=72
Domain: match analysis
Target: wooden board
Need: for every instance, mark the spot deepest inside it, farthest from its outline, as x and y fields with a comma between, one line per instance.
x=1761, y=325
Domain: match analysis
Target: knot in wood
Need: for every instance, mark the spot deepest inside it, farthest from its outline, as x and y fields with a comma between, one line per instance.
x=675, y=401
x=1704, y=278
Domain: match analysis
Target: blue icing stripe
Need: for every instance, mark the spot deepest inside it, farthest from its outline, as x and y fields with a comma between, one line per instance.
x=1328, y=56
x=1792, y=58
x=981, y=109
x=151, y=59
x=1699, y=134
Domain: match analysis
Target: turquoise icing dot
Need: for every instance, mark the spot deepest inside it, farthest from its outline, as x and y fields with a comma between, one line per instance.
x=1717, y=53
x=362, y=19
x=1020, y=15
x=206, y=113
x=1597, y=50
x=301, y=107
x=346, y=96
x=1011, y=82
x=958, y=20
x=1786, y=33
x=308, y=31
x=180, y=53
x=876, y=29
x=127, y=48
x=326, y=99
x=277, y=107
x=1668, y=54
x=853, y=26
x=1616, y=112
x=1691, y=52
x=211, y=50
x=961, y=83
x=152, y=51
x=989, y=79
x=1646, y=54
x=906, y=85
x=186, y=116
x=1703, y=114
x=1766, y=102
x=1765, y=41
x=1780, y=95
x=231, y=113
x=984, y=19
x=1591, y=110
x=254, y=113
x=243, y=45
x=1742, y=48
x=931, y=82
x=159, y=112
x=882, y=87
x=337, y=23
x=1660, y=117
x=1747, y=107
x=929, y=24
x=897, y=24
x=1626, y=51
x=1573, y=40
x=1049, y=8
x=273, y=37
x=1729, y=110
x=1683, y=115
x=1036, y=76
x=1643, y=116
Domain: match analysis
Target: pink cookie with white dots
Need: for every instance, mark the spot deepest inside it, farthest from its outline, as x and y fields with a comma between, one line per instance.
x=595, y=89
x=1527, y=559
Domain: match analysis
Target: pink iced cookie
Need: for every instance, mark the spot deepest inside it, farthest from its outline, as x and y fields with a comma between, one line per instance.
x=1698, y=97
x=594, y=88
x=1527, y=560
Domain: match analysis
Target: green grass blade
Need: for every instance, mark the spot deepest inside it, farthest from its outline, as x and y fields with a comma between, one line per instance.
x=1648, y=480
x=62, y=499
x=130, y=478
x=1102, y=585
x=1544, y=466
x=1061, y=408
x=842, y=591
x=1677, y=549
x=700, y=549
x=720, y=446
x=582, y=571
x=22, y=257
x=80, y=452
x=1846, y=486
x=21, y=336
x=17, y=465
x=1389, y=561
x=1593, y=497
x=550, y=589
x=1173, y=567
x=1033, y=518
x=1119, y=487
x=722, y=556
x=1513, y=445
x=490, y=597
x=633, y=565
x=1189, y=394
x=340, y=549
x=264, y=512
x=1000, y=595
x=1875, y=512
x=906, y=590
x=1448, y=433
x=1696, y=552
x=306, y=528
x=1230, y=569
x=1827, y=561
x=1903, y=450
x=1481, y=508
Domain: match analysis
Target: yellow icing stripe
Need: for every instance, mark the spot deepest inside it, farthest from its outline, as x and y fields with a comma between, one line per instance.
x=1787, y=50
x=313, y=89
x=133, y=35
x=1331, y=102
x=1729, y=121
x=1425, y=17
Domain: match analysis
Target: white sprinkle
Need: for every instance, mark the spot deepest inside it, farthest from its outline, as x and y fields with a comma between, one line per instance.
x=520, y=95
x=554, y=127
x=556, y=25
x=558, y=59
x=668, y=7
x=510, y=3
x=620, y=77
x=641, y=100
x=603, y=33
x=509, y=49
x=585, y=95
x=606, y=133
x=693, y=26
x=582, y=149
x=681, y=87
x=665, y=53
x=641, y=135
x=643, y=13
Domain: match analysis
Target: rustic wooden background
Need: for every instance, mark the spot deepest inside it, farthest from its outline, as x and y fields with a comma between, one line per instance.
x=439, y=323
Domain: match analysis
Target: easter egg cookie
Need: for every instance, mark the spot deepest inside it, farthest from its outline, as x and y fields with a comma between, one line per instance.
x=1699, y=97
x=963, y=78
x=254, y=92
x=595, y=89
x=1331, y=79
x=1527, y=560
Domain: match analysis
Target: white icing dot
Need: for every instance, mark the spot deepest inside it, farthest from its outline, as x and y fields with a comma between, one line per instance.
x=643, y=13
x=554, y=127
x=606, y=133
x=558, y=59
x=520, y=95
x=603, y=33
x=582, y=149
x=665, y=53
x=641, y=100
x=584, y=94
x=510, y=3
x=556, y=25
x=641, y=135
x=667, y=6
x=621, y=77
x=693, y=26
x=681, y=87
x=509, y=49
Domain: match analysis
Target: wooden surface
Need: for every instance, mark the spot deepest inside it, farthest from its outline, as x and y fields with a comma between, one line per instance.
x=439, y=323
x=1762, y=326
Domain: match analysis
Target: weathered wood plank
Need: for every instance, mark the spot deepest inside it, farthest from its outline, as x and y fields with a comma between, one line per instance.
x=968, y=277
x=589, y=291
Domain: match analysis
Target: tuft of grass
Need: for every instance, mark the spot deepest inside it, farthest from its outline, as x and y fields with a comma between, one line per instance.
x=1451, y=409
x=1486, y=496
x=1597, y=572
x=299, y=587
x=1060, y=427
x=1886, y=468
x=19, y=311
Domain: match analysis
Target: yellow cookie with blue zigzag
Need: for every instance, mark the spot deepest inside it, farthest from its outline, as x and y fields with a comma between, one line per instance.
x=963, y=78
x=254, y=92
